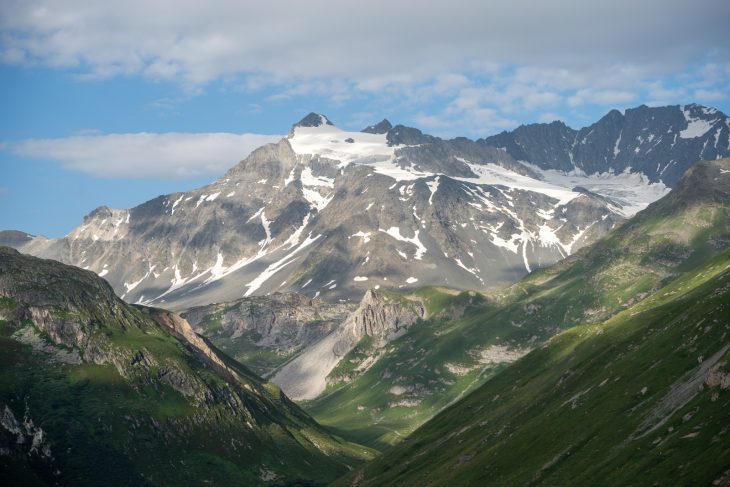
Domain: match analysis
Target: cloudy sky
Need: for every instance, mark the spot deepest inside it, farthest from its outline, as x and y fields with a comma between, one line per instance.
x=116, y=102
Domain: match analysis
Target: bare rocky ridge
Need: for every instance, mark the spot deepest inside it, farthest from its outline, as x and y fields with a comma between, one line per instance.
x=29, y=440
x=179, y=327
x=14, y=238
x=660, y=142
x=383, y=317
x=330, y=214
x=381, y=127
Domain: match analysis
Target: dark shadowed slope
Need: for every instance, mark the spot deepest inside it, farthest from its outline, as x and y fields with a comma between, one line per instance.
x=97, y=392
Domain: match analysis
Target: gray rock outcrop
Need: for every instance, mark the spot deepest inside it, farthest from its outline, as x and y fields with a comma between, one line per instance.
x=379, y=316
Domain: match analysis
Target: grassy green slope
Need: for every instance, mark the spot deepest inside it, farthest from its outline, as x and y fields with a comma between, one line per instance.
x=410, y=382
x=640, y=399
x=97, y=392
x=447, y=356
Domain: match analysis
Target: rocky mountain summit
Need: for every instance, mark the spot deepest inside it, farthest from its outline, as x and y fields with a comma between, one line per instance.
x=329, y=213
x=659, y=142
x=382, y=127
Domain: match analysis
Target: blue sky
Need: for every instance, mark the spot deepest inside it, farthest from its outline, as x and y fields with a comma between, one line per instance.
x=115, y=104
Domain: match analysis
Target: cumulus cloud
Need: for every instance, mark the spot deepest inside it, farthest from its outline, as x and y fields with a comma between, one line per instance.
x=476, y=67
x=602, y=97
x=709, y=95
x=370, y=41
x=145, y=155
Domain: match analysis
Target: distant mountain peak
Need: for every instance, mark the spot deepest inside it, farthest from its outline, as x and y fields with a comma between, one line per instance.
x=313, y=120
x=614, y=114
x=659, y=142
x=402, y=135
x=14, y=238
x=381, y=127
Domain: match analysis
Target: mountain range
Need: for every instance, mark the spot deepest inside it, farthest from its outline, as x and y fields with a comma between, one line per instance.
x=378, y=371
x=542, y=306
x=330, y=213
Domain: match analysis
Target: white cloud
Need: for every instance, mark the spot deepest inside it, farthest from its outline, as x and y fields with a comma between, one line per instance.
x=145, y=155
x=458, y=67
x=606, y=98
x=533, y=99
x=709, y=95
x=657, y=91
x=431, y=122
x=612, y=97
x=376, y=40
x=470, y=118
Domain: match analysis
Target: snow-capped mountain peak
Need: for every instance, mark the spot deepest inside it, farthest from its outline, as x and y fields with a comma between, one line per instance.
x=326, y=140
x=381, y=127
x=330, y=213
x=313, y=120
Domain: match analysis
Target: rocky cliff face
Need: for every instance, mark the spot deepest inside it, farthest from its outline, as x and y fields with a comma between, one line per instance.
x=136, y=388
x=329, y=213
x=380, y=316
x=180, y=328
x=384, y=318
x=266, y=331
